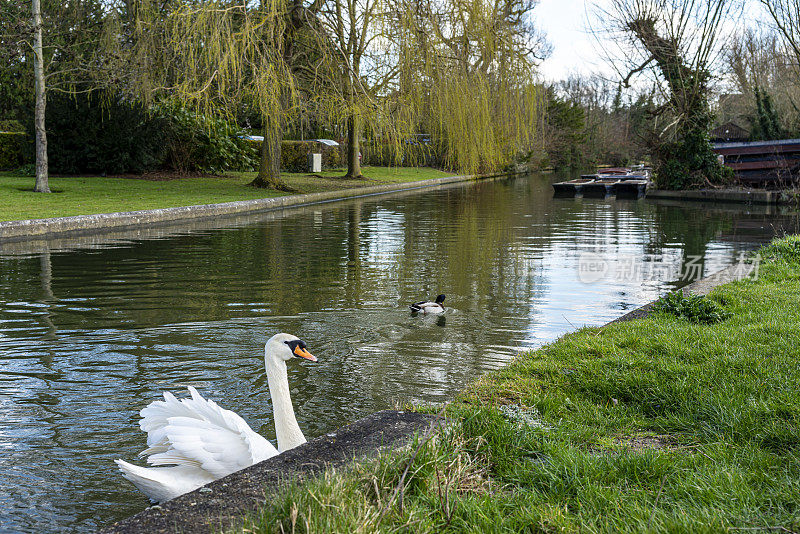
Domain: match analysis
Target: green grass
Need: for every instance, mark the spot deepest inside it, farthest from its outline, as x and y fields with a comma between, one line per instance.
x=659, y=424
x=94, y=194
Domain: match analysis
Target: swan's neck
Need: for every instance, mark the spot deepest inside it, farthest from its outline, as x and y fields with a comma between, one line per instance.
x=286, y=427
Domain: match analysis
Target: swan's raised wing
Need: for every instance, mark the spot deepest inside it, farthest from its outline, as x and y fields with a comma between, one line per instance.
x=197, y=432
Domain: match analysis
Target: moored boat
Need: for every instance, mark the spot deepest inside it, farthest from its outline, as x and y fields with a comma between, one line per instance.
x=571, y=188
x=612, y=172
x=631, y=188
x=601, y=188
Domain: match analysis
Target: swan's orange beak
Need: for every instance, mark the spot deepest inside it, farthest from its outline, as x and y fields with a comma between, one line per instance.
x=303, y=353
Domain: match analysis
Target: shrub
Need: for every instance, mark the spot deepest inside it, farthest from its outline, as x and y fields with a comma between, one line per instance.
x=412, y=154
x=294, y=155
x=695, y=308
x=28, y=169
x=104, y=133
x=201, y=143
x=101, y=133
x=11, y=126
x=689, y=163
x=12, y=149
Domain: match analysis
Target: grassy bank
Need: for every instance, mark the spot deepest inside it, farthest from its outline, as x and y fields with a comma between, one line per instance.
x=659, y=424
x=94, y=194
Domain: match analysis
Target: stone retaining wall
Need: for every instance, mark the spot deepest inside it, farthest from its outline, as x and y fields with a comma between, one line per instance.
x=58, y=226
x=745, y=196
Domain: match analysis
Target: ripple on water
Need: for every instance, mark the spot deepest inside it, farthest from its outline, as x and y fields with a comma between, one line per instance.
x=89, y=337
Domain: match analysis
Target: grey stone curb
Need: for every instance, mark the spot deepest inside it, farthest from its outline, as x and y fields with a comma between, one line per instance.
x=37, y=228
x=224, y=503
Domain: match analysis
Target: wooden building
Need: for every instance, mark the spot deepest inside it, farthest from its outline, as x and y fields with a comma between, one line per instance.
x=763, y=163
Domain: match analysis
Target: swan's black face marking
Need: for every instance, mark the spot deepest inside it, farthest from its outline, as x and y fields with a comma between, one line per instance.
x=298, y=348
x=439, y=299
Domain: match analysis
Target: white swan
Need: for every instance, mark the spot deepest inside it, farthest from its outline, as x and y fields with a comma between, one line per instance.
x=203, y=442
x=429, y=307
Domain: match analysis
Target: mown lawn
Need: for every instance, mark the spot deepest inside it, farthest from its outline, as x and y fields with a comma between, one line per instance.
x=654, y=425
x=94, y=194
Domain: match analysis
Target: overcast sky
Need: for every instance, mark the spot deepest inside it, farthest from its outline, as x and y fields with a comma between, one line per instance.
x=575, y=49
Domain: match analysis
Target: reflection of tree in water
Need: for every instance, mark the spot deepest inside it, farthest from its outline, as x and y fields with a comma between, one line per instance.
x=472, y=243
x=46, y=277
x=353, y=295
x=685, y=229
x=47, y=298
x=471, y=253
x=693, y=228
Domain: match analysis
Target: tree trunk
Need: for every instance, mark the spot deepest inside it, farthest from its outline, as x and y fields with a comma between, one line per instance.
x=353, y=147
x=269, y=169
x=353, y=135
x=42, y=185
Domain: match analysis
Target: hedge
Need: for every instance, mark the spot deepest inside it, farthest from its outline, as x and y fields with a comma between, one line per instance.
x=413, y=155
x=12, y=150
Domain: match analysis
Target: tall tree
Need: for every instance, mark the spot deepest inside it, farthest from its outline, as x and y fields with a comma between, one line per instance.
x=759, y=63
x=219, y=55
x=467, y=77
x=48, y=47
x=291, y=33
x=42, y=185
x=676, y=41
x=216, y=57
x=786, y=15
x=362, y=46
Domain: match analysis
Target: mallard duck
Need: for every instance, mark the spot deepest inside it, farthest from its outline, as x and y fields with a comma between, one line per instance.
x=429, y=307
x=203, y=442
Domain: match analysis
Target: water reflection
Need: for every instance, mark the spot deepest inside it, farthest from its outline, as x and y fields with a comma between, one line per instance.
x=92, y=330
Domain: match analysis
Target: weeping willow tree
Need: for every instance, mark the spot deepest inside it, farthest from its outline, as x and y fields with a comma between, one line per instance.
x=362, y=63
x=467, y=77
x=460, y=72
x=215, y=57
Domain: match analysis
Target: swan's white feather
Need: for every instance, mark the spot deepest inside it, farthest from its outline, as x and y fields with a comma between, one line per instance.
x=164, y=483
x=205, y=441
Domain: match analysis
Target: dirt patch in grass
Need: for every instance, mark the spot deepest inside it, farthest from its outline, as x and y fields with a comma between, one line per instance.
x=642, y=442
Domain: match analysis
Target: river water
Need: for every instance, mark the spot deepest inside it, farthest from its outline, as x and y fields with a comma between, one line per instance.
x=94, y=328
